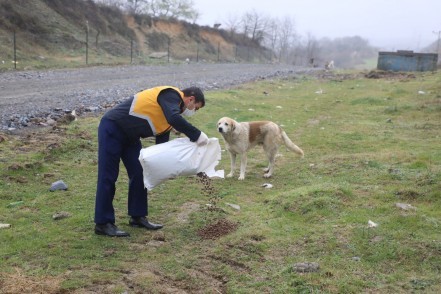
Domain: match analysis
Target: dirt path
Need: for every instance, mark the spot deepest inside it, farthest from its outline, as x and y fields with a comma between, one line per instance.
x=30, y=94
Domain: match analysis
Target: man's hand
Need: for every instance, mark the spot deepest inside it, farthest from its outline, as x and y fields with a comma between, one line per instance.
x=202, y=140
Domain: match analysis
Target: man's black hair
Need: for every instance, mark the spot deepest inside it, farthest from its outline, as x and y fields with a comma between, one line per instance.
x=196, y=92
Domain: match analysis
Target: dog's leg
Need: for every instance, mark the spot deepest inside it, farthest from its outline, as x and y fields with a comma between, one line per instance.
x=269, y=170
x=243, y=166
x=271, y=154
x=233, y=164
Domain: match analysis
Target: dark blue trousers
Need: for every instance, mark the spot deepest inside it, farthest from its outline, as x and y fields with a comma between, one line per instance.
x=113, y=146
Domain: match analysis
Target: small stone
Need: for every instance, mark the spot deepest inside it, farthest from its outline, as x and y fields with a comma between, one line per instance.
x=371, y=224
x=405, y=206
x=306, y=267
x=58, y=185
x=159, y=236
x=61, y=215
x=92, y=109
x=235, y=206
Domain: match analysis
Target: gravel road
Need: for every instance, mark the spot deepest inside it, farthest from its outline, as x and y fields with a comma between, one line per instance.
x=30, y=98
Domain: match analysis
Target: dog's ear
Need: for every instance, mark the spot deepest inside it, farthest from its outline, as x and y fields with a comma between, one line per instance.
x=233, y=125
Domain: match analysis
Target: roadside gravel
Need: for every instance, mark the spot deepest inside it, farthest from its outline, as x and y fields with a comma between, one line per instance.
x=40, y=98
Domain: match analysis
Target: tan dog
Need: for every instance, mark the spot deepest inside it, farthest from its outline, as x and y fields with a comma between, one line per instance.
x=242, y=136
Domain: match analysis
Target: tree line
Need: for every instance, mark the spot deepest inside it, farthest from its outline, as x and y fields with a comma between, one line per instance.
x=278, y=35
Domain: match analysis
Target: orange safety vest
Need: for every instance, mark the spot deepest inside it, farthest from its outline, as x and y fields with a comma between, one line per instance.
x=145, y=105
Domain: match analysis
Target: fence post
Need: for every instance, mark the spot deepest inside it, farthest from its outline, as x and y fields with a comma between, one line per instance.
x=235, y=54
x=197, y=53
x=15, y=52
x=168, y=51
x=218, y=51
x=87, y=42
x=131, y=50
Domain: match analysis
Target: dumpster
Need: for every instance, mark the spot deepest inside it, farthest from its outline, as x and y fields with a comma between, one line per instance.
x=404, y=60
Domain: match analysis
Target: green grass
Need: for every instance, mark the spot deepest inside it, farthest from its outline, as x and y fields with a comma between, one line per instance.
x=368, y=143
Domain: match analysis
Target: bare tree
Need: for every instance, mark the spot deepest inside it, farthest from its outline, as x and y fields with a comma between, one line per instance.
x=122, y=4
x=345, y=52
x=179, y=9
x=286, y=38
x=166, y=9
x=136, y=6
x=232, y=23
x=196, y=15
x=131, y=6
x=311, y=49
x=272, y=34
x=254, y=25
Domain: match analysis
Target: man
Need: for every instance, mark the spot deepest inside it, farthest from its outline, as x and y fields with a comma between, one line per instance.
x=152, y=112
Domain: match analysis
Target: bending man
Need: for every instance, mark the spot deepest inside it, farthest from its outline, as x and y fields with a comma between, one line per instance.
x=149, y=113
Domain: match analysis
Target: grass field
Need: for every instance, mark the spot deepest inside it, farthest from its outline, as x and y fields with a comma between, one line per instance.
x=369, y=144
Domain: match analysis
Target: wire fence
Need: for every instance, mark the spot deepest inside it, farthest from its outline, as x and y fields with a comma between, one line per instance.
x=21, y=50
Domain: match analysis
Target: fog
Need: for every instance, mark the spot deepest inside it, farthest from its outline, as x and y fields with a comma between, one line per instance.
x=389, y=25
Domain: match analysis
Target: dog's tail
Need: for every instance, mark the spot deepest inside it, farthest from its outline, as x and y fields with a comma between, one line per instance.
x=291, y=146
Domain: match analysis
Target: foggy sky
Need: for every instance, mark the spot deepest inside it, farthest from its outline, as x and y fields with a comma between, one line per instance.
x=387, y=24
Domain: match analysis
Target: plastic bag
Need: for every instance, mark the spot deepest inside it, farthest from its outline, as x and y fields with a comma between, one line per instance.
x=179, y=157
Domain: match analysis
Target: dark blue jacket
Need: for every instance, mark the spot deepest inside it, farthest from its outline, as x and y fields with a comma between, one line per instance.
x=136, y=128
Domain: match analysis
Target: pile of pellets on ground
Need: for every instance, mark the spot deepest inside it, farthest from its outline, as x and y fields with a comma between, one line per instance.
x=220, y=227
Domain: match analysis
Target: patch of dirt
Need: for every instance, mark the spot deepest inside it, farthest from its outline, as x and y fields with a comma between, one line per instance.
x=407, y=194
x=373, y=74
x=212, y=38
x=379, y=74
x=213, y=282
x=231, y=262
x=333, y=76
x=217, y=229
x=187, y=209
x=31, y=140
x=140, y=37
x=19, y=283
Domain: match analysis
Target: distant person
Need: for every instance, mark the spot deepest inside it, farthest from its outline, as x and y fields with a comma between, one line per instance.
x=149, y=113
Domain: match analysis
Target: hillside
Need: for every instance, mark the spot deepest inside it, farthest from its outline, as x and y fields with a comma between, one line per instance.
x=75, y=32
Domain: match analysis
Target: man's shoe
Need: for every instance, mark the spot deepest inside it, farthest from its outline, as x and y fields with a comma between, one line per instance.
x=110, y=229
x=142, y=222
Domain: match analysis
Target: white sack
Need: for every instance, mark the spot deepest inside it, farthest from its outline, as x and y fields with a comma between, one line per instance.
x=179, y=157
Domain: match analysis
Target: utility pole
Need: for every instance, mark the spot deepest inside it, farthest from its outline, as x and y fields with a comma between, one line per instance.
x=87, y=42
x=437, y=46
